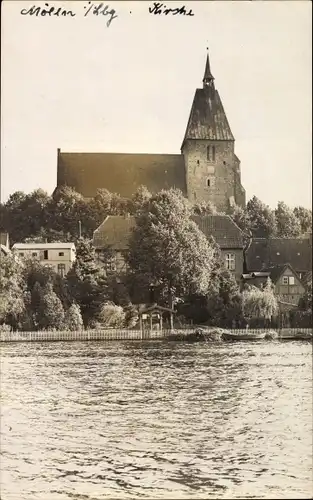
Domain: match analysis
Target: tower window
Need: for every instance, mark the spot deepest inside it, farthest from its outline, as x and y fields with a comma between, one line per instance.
x=208, y=182
x=198, y=162
x=210, y=152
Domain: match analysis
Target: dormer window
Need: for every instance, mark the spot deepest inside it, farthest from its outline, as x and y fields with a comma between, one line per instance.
x=210, y=152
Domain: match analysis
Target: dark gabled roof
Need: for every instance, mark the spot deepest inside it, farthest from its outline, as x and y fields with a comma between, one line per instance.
x=223, y=229
x=114, y=232
x=263, y=253
x=143, y=308
x=120, y=173
x=207, y=117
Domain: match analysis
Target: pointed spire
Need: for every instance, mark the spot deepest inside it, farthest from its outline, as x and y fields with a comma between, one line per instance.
x=208, y=77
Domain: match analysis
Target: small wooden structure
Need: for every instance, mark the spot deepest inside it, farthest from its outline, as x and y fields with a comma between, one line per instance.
x=151, y=318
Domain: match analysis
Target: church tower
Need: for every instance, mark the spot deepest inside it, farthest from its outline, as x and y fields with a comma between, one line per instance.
x=212, y=169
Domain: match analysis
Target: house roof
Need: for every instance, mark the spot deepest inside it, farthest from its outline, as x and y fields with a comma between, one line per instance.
x=143, y=308
x=264, y=253
x=115, y=231
x=42, y=246
x=273, y=272
x=224, y=230
x=207, y=118
x=121, y=173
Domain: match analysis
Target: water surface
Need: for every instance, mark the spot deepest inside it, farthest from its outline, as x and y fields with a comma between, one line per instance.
x=91, y=421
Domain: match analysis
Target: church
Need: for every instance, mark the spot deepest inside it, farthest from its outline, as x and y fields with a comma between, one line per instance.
x=206, y=170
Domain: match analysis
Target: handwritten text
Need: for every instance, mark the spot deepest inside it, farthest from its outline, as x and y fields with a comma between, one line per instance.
x=160, y=8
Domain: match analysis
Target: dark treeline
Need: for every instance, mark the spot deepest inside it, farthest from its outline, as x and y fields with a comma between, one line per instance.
x=39, y=216
x=170, y=261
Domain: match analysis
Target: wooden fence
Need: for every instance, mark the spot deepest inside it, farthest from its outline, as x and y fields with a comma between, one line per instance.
x=124, y=334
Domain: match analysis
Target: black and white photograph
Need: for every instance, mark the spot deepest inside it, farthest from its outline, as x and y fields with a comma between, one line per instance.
x=156, y=250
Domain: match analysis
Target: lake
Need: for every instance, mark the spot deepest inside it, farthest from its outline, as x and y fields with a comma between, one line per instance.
x=94, y=420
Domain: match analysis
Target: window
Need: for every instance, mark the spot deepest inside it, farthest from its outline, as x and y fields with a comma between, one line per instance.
x=300, y=276
x=22, y=254
x=291, y=280
x=61, y=270
x=230, y=261
x=210, y=153
x=208, y=182
x=198, y=162
x=45, y=254
x=61, y=254
x=34, y=254
x=111, y=264
x=285, y=280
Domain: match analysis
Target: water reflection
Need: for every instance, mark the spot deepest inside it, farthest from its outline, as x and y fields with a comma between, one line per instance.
x=156, y=420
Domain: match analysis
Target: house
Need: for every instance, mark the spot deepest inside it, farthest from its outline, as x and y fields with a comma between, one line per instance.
x=206, y=169
x=58, y=256
x=114, y=233
x=263, y=253
x=229, y=238
x=288, y=286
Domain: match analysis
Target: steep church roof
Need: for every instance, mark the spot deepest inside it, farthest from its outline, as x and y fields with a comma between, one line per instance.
x=207, y=118
x=121, y=173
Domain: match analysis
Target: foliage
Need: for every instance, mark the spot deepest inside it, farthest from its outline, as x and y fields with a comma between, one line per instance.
x=111, y=315
x=304, y=217
x=49, y=313
x=257, y=303
x=168, y=250
x=205, y=208
x=131, y=316
x=86, y=281
x=241, y=218
x=73, y=319
x=12, y=305
x=305, y=303
x=288, y=225
x=262, y=218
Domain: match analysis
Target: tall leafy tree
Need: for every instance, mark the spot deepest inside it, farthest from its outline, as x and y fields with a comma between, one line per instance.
x=87, y=281
x=288, y=225
x=12, y=306
x=50, y=312
x=73, y=319
x=304, y=216
x=262, y=218
x=167, y=249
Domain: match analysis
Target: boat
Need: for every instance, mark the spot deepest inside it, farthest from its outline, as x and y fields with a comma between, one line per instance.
x=248, y=337
x=295, y=336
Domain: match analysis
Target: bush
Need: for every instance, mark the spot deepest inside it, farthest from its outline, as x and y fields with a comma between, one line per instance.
x=111, y=316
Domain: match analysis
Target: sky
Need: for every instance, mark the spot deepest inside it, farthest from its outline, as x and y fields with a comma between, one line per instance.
x=77, y=84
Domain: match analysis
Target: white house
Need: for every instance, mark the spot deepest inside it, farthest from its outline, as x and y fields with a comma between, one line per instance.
x=58, y=256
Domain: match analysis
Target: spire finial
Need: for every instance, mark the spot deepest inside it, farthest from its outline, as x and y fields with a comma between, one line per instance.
x=208, y=77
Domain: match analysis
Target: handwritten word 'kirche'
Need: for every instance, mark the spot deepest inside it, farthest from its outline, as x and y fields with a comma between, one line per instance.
x=89, y=9
x=160, y=8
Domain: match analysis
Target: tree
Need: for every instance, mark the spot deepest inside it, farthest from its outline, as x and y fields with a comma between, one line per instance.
x=50, y=312
x=12, y=307
x=205, y=208
x=86, y=281
x=68, y=209
x=168, y=250
x=262, y=218
x=259, y=304
x=241, y=218
x=304, y=216
x=111, y=315
x=305, y=303
x=288, y=226
x=140, y=198
x=73, y=319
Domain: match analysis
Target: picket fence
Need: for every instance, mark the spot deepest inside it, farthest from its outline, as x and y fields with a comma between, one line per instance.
x=125, y=334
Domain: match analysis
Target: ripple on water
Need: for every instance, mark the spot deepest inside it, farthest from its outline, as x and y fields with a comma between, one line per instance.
x=90, y=421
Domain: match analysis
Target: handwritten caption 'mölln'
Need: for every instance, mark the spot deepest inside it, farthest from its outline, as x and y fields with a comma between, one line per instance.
x=89, y=9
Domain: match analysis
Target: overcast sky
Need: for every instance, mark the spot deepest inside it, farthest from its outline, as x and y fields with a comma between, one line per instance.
x=76, y=84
